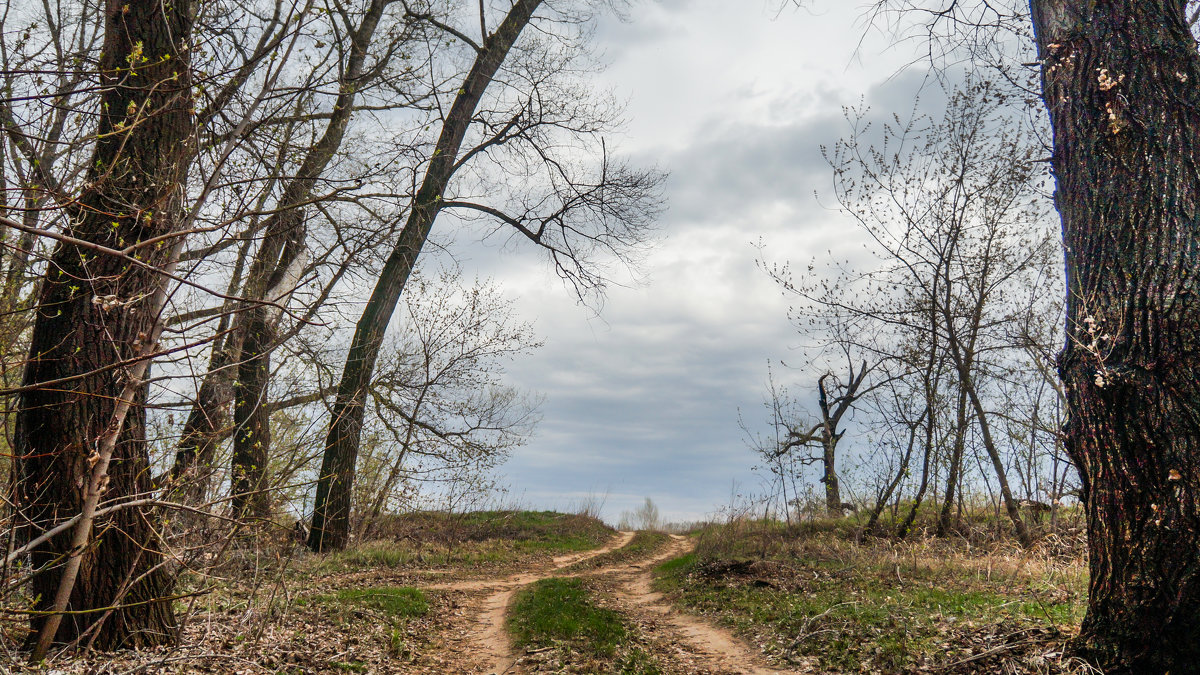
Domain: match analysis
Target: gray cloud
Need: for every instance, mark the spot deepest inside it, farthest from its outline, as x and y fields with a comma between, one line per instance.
x=644, y=400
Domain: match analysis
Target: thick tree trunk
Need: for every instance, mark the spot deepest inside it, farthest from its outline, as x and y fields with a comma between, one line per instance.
x=95, y=313
x=1120, y=83
x=331, y=510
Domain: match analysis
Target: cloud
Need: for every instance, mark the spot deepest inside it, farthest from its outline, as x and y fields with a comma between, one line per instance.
x=644, y=399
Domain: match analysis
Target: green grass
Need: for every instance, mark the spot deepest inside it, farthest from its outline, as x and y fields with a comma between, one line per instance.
x=393, y=555
x=643, y=544
x=400, y=602
x=850, y=607
x=531, y=530
x=558, y=612
x=678, y=566
x=482, y=538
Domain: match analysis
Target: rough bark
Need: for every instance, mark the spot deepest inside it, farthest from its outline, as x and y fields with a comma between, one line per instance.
x=1120, y=83
x=95, y=311
x=331, y=510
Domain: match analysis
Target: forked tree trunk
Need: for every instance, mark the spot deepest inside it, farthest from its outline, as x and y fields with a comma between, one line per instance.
x=331, y=510
x=96, y=313
x=1121, y=80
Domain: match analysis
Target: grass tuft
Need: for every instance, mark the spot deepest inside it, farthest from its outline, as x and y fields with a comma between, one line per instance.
x=556, y=611
x=400, y=602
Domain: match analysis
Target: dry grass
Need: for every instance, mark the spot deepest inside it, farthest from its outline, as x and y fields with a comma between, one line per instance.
x=273, y=607
x=821, y=596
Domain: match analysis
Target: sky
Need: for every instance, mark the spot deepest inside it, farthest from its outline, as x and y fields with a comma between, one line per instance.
x=734, y=100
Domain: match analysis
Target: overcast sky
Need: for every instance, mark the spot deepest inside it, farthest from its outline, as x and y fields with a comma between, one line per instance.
x=734, y=99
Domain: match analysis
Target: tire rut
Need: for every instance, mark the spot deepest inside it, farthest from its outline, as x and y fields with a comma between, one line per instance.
x=483, y=646
x=485, y=638
x=710, y=647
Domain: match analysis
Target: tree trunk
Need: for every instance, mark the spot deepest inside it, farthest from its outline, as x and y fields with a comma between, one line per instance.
x=205, y=426
x=1120, y=83
x=833, y=492
x=252, y=435
x=331, y=510
x=956, y=460
x=274, y=275
x=209, y=415
x=95, y=314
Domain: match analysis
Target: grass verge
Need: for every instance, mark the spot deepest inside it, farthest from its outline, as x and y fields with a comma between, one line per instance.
x=483, y=540
x=395, y=602
x=559, y=615
x=643, y=544
x=816, y=599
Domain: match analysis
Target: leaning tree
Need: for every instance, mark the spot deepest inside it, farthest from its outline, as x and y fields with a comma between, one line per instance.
x=520, y=149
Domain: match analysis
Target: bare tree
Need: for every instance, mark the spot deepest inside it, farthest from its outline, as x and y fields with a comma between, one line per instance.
x=561, y=209
x=438, y=401
x=781, y=463
x=1118, y=81
x=952, y=211
x=239, y=369
x=834, y=403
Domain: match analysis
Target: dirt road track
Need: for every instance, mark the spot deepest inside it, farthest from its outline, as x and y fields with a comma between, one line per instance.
x=700, y=647
x=710, y=646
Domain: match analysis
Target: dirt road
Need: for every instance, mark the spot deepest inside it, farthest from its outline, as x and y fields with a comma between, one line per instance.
x=689, y=643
